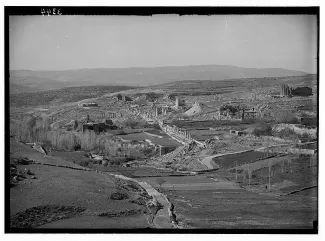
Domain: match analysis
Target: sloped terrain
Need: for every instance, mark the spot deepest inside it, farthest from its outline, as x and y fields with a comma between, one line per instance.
x=61, y=96
x=55, y=193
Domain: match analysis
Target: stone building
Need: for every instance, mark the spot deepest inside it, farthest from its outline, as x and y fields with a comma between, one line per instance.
x=303, y=91
x=299, y=91
x=99, y=127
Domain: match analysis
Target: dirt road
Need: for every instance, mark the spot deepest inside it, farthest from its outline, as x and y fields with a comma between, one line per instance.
x=162, y=219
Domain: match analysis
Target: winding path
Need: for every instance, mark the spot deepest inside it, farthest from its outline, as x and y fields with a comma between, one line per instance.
x=162, y=218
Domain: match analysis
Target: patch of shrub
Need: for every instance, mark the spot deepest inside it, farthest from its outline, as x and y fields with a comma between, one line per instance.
x=287, y=133
x=286, y=117
x=40, y=215
x=305, y=137
x=310, y=122
x=139, y=201
x=263, y=130
x=119, y=196
x=83, y=163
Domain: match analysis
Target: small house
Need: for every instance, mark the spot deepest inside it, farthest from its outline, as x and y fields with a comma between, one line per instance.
x=237, y=133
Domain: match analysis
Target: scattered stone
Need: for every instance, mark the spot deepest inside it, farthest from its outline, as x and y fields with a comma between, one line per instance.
x=28, y=172
x=33, y=177
x=19, y=178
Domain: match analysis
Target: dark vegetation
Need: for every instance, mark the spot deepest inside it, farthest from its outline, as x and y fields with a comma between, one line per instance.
x=40, y=215
x=37, y=129
x=118, y=196
x=65, y=95
x=263, y=129
x=123, y=213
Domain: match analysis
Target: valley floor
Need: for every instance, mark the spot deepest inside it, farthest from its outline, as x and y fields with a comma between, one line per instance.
x=207, y=201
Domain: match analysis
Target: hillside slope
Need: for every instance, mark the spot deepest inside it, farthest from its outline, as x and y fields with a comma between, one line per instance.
x=48, y=80
x=61, y=96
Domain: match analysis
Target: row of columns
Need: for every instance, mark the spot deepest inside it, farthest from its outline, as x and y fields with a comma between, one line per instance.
x=182, y=133
x=110, y=115
x=286, y=90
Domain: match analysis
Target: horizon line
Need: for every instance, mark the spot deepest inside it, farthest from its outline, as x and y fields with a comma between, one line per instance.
x=152, y=67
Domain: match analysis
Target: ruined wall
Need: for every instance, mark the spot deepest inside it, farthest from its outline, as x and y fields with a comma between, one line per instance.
x=299, y=91
x=166, y=149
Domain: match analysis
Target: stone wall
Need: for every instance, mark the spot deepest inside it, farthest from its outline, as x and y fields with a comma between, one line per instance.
x=166, y=149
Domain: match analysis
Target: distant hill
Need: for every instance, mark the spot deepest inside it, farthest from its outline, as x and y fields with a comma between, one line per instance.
x=33, y=81
x=203, y=87
x=61, y=96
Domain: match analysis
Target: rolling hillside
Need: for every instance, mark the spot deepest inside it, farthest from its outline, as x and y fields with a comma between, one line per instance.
x=33, y=81
x=61, y=96
x=190, y=87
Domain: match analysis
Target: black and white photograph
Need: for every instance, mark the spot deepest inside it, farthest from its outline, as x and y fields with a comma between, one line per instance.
x=161, y=119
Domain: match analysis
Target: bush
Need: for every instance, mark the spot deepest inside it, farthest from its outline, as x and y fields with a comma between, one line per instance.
x=118, y=196
x=310, y=122
x=287, y=133
x=263, y=130
x=83, y=163
x=286, y=117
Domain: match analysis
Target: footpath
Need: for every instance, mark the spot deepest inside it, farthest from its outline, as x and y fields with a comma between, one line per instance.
x=163, y=218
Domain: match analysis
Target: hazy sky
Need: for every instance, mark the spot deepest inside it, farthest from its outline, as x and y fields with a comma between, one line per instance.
x=75, y=42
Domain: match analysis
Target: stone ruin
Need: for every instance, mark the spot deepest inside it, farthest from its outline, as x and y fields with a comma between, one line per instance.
x=299, y=91
x=88, y=105
x=179, y=102
x=182, y=133
x=99, y=127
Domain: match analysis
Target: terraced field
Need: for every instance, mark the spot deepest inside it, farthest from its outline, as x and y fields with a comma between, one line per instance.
x=216, y=203
x=228, y=161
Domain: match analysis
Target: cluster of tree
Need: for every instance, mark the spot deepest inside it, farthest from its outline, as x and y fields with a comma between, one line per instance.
x=37, y=129
x=30, y=128
x=264, y=129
